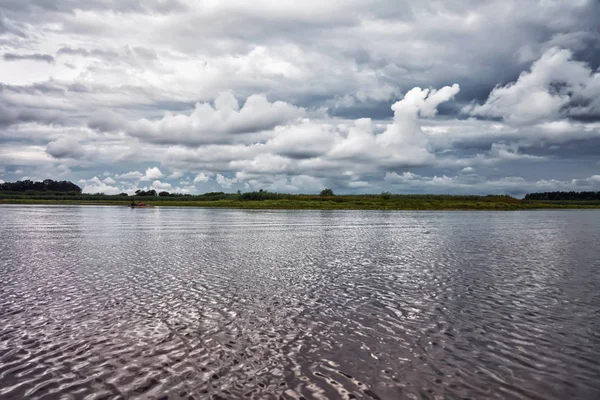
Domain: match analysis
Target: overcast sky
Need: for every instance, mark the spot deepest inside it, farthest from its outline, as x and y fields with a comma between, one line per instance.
x=362, y=96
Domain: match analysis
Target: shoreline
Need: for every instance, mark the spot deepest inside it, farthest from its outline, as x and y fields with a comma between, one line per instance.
x=343, y=204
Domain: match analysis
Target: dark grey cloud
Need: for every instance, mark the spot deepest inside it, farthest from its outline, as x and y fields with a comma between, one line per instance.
x=65, y=148
x=300, y=154
x=583, y=150
x=11, y=115
x=35, y=88
x=106, y=121
x=14, y=111
x=33, y=57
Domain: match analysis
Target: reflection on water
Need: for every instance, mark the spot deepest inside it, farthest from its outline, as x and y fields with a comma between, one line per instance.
x=110, y=302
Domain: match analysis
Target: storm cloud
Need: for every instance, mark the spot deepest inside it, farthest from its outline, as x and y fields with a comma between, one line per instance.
x=360, y=96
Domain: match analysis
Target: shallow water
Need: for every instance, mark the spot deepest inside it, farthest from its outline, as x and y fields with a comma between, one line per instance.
x=113, y=302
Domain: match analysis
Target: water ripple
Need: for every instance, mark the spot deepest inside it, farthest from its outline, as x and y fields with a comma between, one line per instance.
x=104, y=303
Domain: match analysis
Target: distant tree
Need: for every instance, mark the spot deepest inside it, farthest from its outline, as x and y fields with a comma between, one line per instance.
x=123, y=194
x=386, y=195
x=563, y=196
x=145, y=193
x=163, y=194
x=48, y=185
x=327, y=192
x=260, y=195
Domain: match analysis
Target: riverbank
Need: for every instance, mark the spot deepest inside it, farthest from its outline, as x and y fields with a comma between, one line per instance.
x=398, y=202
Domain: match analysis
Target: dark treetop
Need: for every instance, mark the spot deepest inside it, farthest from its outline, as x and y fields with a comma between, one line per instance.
x=48, y=185
x=563, y=196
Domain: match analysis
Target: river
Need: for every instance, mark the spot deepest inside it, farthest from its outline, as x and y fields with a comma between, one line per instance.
x=114, y=302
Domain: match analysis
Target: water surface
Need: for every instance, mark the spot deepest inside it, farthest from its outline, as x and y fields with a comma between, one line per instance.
x=111, y=302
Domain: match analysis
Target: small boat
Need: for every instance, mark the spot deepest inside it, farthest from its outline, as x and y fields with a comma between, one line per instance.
x=142, y=206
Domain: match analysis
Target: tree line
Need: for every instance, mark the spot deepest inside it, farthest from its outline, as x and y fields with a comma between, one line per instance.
x=51, y=187
x=47, y=185
x=563, y=196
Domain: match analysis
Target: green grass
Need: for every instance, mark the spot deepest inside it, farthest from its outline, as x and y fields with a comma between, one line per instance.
x=311, y=202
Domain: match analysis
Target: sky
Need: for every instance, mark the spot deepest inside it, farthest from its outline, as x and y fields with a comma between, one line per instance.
x=361, y=96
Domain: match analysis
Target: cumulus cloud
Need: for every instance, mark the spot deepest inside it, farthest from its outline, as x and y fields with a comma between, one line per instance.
x=151, y=174
x=402, y=142
x=225, y=182
x=158, y=185
x=215, y=123
x=396, y=178
x=65, y=147
x=556, y=86
x=301, y=141
x=201, y=178
x=132, y=175
x=95, y=185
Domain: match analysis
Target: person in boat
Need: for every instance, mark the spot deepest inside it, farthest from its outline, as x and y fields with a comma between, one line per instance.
x=132, y=203
x=140, y=204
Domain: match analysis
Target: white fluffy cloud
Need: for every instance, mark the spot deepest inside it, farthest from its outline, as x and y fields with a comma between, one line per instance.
x=95, y=185
x=151, y=174
x=225, y=182
x=215, y=124
x=306, y=147
x=402, y=142
x=131, y=175
x=158, y=185
x=201, y=178
x=556, y=86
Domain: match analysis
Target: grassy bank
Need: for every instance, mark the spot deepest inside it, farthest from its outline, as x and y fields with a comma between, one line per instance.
x=300, y=202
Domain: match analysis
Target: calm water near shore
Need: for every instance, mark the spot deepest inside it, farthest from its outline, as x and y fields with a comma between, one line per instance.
x=113, y=302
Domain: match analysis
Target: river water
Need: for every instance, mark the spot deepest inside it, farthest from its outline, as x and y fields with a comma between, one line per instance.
x=113, y=302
